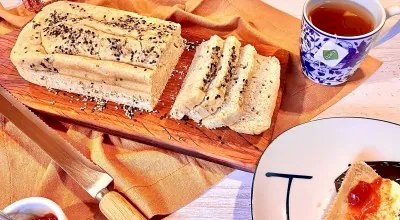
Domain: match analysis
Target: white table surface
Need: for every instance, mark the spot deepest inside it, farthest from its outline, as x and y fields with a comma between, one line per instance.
x=378, y=97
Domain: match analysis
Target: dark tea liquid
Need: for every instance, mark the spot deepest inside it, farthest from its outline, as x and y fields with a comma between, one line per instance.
x=342, y=18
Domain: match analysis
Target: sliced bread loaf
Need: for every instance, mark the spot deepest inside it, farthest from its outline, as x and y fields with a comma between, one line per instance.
x=201, y=73
x=231, y=109
x=260, y=97
x=216, y=91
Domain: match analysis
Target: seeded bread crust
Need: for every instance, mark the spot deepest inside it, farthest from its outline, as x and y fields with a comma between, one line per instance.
x=102, y=46
x=201, y=72
x=232, y=107
x=260, y=97
x=216, y=92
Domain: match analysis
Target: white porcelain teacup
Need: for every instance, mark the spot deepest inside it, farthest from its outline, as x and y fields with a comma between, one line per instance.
x=348, y=51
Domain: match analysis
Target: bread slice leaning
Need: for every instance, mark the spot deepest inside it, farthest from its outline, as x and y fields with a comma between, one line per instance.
x=389, y=193
x=232, y=107
x=260, y=97
x=216, y=91
x=357, y=172
x=201, y=72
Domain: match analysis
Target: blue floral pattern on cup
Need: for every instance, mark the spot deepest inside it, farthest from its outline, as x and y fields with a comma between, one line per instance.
x=312, y=41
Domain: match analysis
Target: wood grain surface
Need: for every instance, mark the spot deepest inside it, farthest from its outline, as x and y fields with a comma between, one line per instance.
x=115, y=207
x=222, y=145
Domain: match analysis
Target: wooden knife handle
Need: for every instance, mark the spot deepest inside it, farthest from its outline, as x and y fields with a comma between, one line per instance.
x=115, y=207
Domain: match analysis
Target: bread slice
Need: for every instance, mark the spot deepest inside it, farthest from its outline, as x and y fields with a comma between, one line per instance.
x=112, y=49
x=232, y=107
x=389, y=193
x=260, y=97
x=201, y=72
x=216, y=91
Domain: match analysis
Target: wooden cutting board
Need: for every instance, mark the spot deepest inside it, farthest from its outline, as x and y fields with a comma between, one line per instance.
x=223, y=146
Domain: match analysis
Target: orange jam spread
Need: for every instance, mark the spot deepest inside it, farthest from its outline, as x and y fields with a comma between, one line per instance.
x=364, y=199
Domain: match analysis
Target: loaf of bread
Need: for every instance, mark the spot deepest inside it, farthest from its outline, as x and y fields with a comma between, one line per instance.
x=235, y=88
x=201, y=72
x=100, y=52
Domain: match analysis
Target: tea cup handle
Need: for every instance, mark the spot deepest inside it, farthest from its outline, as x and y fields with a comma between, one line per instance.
x=394, y=30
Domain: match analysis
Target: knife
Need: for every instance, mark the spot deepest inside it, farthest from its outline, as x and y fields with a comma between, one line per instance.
x=88, y=175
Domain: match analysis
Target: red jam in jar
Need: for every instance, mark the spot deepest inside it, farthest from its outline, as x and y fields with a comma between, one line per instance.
x=364, y=199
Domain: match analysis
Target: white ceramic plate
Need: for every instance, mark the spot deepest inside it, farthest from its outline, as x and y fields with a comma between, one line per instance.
x=318, y=152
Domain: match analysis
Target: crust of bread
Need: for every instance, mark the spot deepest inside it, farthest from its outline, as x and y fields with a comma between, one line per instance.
x=215, y=95
x=260, y=97
x=89, y=88
x=232, y=108
x=194, y=86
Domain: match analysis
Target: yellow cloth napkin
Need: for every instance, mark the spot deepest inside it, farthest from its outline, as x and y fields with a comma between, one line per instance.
x=158, y=181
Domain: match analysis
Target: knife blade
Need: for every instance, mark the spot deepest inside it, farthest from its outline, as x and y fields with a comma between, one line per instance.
x=88, y=175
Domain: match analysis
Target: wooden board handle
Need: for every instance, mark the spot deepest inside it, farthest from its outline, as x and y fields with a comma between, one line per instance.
x=115, y=207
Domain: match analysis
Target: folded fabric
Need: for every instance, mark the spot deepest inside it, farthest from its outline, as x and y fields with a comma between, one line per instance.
x=157, y=181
